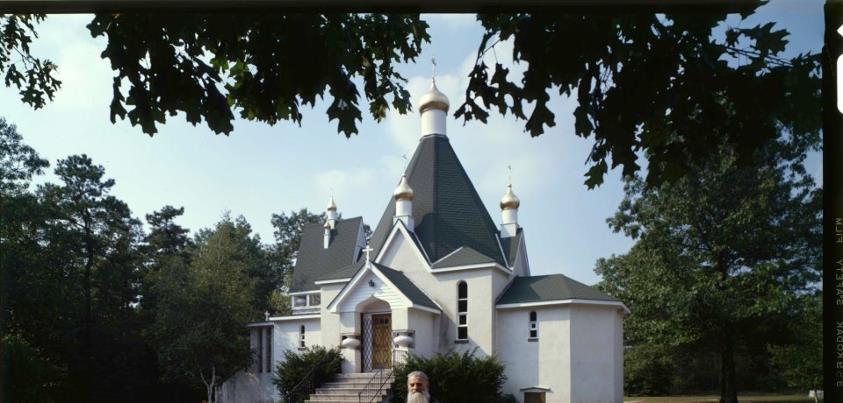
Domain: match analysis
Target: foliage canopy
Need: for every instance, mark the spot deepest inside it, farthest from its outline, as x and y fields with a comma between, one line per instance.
x=660, y=81
x=722, y=256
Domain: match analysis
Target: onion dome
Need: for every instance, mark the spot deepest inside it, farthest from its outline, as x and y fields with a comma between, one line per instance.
x=509, y=200
x=434, y=99
x=331, y=205
x=403, y=191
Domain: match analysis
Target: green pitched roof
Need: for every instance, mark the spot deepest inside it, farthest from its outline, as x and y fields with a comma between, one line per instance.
x=510, y=246
x=447, y=210
x=549, y=288
x=462, y=257
x=314, y=262
x=413, y=293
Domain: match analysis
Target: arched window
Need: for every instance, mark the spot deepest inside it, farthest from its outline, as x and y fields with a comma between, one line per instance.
x=534, y=326
x=462, y=311
x=301, y=337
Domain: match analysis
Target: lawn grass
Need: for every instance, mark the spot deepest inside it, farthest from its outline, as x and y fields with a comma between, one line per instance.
x=715, y=399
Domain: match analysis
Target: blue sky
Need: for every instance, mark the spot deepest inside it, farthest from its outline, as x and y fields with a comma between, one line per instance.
x=259, y=169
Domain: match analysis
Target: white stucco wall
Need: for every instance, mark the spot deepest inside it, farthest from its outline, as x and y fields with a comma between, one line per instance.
x=330, y=323
x=542, y=363
x=578, y=354
x=256, y=387
x=596, y=354
x=481, y=313
x=286, y=336
x=401, y=254
x=424, y=323
x=483, y=286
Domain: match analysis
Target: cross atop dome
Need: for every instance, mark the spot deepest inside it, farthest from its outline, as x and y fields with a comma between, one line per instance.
x=433, y=62
x=433, y=107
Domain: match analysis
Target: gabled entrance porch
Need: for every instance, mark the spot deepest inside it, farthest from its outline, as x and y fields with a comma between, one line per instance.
x=381, y=315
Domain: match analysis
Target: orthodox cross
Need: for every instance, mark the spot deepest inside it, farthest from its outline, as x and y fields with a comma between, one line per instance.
x=367, y=250
x=433, y=61
x=509, y=167
x=404, y=156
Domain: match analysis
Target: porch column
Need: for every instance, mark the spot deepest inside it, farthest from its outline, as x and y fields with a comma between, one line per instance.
x=403, y=341
x=350, y=344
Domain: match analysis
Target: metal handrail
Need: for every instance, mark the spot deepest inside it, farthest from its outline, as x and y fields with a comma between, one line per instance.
x=368, y=386
x=382, y=380
x=306, y=382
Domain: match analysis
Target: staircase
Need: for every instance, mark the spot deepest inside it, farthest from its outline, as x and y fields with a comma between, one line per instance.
x=345, y=389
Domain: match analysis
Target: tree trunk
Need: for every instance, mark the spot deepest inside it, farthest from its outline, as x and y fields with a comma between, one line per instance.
x=728, y=387
x=86, y=345
x=209, y=386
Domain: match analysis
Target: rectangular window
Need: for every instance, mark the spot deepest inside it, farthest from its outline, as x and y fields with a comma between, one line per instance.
x=301, y=337
x=534, y=326
x=462, y=311
x=299, y=301
x=268, y=340
x=315, y=299
x=259, y=355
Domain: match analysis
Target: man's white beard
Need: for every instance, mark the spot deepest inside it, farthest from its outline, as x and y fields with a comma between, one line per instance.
x=418, y=397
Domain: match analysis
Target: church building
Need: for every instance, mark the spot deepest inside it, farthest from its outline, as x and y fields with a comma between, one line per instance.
x=438, y=275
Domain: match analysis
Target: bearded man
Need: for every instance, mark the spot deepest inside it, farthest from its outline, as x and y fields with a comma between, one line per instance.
x=418, y=388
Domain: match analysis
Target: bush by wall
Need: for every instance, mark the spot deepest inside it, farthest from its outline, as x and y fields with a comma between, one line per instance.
x=455, y=378
x=296, y=366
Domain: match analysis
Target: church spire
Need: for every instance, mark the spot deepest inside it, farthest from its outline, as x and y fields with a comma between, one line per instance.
x=433, y=107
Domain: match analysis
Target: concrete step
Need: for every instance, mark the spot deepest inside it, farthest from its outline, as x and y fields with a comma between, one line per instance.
x=351, y=384
x=346, y=388
x=341, y=391
x=342, y=399
x=356, y=375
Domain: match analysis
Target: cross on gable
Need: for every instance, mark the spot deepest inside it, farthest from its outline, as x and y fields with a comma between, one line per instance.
x=367, y=250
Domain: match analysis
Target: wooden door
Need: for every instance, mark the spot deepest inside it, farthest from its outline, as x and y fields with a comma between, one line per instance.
x=382, y=341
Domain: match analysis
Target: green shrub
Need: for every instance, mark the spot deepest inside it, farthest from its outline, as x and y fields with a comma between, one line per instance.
x=289, y=373
x=455, y=378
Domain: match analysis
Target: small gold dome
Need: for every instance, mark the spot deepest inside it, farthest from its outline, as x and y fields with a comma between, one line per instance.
x=434, y=99
x=331, y=205
x=403, y=191
x=509, y=200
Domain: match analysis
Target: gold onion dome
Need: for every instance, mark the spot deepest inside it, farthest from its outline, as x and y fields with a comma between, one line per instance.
x=331, y=205
x=434, y=99
x=403, y=191
x=509, y=200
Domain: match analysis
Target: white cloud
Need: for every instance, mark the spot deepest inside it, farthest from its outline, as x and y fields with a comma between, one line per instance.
x=343, y=183
x=84, y=76
x=452, y=21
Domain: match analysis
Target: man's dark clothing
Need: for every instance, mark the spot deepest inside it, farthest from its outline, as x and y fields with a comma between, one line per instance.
x=390, y=398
